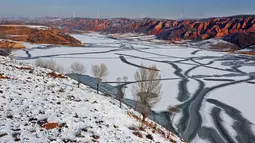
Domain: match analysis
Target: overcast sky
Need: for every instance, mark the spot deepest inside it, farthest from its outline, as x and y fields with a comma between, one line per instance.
x=172, y=9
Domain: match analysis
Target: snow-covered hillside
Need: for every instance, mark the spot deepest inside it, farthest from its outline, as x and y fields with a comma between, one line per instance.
x=39, y=27
x=35, y=107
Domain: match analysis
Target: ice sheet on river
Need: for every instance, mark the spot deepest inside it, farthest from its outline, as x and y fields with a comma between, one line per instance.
x=226, y=79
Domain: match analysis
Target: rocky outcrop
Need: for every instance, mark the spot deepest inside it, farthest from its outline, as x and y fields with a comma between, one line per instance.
x=10, y=44
x=37, y=35
x=164, y=29
x=172, y=30
x=242, y=40
x=51, y=37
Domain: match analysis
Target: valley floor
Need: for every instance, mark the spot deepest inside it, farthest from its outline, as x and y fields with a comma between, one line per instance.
x=214, y=90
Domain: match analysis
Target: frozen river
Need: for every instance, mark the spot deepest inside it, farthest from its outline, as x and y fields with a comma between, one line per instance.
x=215, y=91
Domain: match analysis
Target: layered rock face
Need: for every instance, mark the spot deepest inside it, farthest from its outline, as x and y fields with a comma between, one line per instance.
x=243, y=40
x=37, y=35
x=171, y=30
x=164, y=29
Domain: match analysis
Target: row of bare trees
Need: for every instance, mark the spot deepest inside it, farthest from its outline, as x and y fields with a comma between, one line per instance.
x=146, y=89
x=99, y=71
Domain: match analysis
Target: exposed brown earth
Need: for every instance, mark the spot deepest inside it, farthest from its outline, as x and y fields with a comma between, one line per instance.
x=56, y=75
x=251, y=53
x=49, y=126
x=3, y=77
x=11, y=44
x=36, y=35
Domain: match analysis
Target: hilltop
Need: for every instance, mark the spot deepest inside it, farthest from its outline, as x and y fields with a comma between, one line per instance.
x=34, y=34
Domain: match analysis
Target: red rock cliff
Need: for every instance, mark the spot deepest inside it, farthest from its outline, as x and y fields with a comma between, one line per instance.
x=166, y=29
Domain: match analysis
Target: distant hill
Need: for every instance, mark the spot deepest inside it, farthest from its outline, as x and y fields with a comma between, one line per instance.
x=164, y=29
x=34, y=34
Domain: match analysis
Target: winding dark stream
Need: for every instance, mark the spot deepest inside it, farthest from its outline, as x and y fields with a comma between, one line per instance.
x=189, y=125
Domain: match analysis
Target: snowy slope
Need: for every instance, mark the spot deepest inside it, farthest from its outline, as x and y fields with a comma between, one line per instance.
x=39, y=27
x=37, y=108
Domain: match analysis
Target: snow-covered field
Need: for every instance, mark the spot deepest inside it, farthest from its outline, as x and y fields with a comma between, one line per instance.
x=29, y=26
x=31, y=103
x=226, y=80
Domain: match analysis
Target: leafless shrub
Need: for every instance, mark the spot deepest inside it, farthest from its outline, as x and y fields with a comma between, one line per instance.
x=78, y=68
x=125, y=78
x=40, y=63
x=49, y=64
x=99, y=72
x=148, y=88
x=59, y=69
x=121, y=89
x=223, y=46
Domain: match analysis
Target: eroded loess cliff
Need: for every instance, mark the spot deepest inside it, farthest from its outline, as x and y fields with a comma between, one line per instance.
x=164, y=29
x=10, y=44
x=39, y=35
x=172, y=30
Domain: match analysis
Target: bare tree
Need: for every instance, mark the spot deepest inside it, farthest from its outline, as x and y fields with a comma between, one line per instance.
x=118, y=80
x=147, y=90
x=121, y=89
x=125, y=78
x=99, y=72
x=78, y=69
